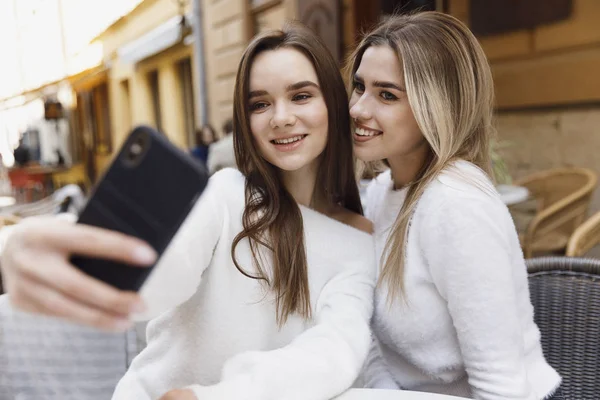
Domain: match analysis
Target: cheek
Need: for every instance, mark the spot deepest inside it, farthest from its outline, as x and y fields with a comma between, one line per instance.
x=401, y=121
x=317, y=115
x=258, y=125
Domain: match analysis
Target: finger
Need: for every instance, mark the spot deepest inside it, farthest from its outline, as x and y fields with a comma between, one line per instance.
x=58, y=274
x=38, y=298
x=96, y=242
x=179, y=394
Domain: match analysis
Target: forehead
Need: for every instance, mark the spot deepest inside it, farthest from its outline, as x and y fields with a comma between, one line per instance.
x=284, y=66
x=380, y=63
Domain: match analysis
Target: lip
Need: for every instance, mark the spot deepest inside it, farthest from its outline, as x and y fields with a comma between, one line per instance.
x=362, y=139
x=288, y=146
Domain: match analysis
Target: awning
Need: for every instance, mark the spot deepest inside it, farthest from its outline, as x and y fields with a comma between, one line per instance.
x=155, y=41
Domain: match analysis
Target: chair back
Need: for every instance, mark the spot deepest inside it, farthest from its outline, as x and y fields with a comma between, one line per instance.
x=565, y=293
x=563, y=197
x=550, y=186
x=586, y=236
x=50, y=359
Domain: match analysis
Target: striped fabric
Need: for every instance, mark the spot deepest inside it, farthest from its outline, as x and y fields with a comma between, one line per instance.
x=43, y=358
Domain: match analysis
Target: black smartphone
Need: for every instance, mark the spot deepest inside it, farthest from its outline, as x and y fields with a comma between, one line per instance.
x=147, y=192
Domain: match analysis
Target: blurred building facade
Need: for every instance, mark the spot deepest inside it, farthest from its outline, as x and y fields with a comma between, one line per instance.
x=545, y=57
x=547, y=82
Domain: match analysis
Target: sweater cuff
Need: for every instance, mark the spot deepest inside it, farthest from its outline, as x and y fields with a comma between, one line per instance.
x=383, y=382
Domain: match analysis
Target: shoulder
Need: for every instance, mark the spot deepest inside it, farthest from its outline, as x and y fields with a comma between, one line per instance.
x=226, y=184
x=221, y=144
x=228, y=177
x=461, y=185
x=462, y=202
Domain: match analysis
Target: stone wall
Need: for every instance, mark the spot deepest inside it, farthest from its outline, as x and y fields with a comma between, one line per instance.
x=550, y=139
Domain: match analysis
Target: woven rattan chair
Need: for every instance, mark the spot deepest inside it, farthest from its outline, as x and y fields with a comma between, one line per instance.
x=43, y=358
x=586, y=236
x=563, y=197
x=565, y=293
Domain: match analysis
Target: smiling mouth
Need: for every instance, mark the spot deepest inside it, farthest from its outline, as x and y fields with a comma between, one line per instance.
x=290, y=140
x=366, y=132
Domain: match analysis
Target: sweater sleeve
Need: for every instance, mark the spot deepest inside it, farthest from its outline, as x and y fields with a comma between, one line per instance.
x=320, y=363
x=375, y=372
x=466, y=244
x=176, y=276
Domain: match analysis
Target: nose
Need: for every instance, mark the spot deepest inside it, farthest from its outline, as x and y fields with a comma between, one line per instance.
x=360, y=110
x=282, y=117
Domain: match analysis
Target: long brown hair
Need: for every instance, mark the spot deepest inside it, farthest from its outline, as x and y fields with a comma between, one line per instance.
x=450, y=90
x=272, y=218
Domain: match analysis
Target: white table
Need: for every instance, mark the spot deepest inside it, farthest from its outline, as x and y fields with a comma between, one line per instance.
x=379, y=394
x=6, y=201
x=511, y=194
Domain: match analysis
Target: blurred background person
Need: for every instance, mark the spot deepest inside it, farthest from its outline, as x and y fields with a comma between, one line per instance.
x=221, y=154
x=22, y=154
x=204, y=138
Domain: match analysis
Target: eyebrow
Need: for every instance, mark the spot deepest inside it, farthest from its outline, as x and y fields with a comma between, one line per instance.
x=381, y=84
x=257, y=93
x=301, y=85
x=289, y=88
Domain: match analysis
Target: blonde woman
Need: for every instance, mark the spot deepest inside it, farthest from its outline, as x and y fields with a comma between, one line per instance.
x=453, y=313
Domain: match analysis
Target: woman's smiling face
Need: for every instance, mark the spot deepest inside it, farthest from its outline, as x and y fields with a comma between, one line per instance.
x=385, y=126
x=288, y=114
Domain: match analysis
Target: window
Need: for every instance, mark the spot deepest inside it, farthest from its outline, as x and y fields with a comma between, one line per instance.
x=186, y=83
x=100, y=119
x=125, y=104
x=493, y=17
x=155, y=93
x=405, y=6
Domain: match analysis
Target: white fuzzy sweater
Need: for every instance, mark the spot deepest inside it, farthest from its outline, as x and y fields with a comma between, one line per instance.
x=466, y=325
x=216, y=331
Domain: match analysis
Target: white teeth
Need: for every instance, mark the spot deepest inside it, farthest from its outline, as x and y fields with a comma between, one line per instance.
x=289, y=140
x=364, y=132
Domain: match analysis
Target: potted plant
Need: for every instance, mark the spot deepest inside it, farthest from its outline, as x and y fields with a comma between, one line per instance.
x=499, y=167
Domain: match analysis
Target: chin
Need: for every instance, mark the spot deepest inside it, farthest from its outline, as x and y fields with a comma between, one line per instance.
x=293, y=162
x=290, y=167
x=366, y=155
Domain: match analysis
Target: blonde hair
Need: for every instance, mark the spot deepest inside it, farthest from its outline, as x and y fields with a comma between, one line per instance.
x=450, y=89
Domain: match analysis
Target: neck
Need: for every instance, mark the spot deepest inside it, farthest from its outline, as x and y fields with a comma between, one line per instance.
x=302, y=185
x=406, y=168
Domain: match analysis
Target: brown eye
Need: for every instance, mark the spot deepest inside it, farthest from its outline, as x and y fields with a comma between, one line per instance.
x=300, y=97
x=257, y=106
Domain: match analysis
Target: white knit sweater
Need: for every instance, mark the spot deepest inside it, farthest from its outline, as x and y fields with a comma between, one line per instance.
x=465, y=327
x=216, y=331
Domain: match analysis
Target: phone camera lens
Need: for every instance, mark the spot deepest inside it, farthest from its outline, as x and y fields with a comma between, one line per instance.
x=136, y=149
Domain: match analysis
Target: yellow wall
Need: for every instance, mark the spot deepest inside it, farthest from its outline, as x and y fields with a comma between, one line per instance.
x=227, y=30
x=147, y=16
x=228, y=27
x=129, y=88
x=170, y=91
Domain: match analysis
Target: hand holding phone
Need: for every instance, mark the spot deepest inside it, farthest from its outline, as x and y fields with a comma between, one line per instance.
x=147, y=192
